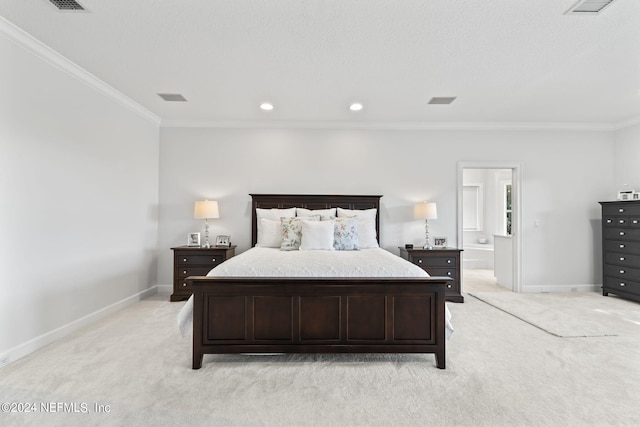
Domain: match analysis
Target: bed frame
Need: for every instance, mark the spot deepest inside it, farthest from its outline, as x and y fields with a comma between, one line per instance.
x=318, y=315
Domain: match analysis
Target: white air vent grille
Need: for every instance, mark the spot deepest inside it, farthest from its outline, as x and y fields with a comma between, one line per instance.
x=67, y=5
x=172, y=97
x=588, y=7
x=442, y=100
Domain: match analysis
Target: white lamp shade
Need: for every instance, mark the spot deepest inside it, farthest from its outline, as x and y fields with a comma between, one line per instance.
x=426, y=211
x=205, y=209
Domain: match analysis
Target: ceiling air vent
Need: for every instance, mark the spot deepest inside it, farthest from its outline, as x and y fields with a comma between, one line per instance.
x=588, y=7
x=172, y=97
x=68, y=5
x=442, y=100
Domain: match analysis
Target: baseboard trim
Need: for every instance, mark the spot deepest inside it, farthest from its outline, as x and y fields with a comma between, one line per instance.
x=37, y=343
x=560, y=288
x=165, y=289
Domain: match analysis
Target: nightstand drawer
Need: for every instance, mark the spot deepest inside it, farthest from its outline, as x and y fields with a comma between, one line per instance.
x=435, y=271
x=194, y=261
x=200, y=259
x=439, y=262
x=434, y=261
x=193, y=271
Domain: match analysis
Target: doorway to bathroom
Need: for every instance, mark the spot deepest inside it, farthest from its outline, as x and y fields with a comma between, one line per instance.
x=488, y=225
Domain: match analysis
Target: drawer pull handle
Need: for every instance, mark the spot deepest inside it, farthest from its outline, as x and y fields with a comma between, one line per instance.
x=214, y=260
x=609, y=221
x=184, y=284
x=621, y=210
x=622, y=246
x=635, y=221
x=449, y=286
x=621, y=271
x=419, y=261
x=622, y=233
x=448, y=273
x=621, y=221
x=184, y=271
x=448, y=261
x=622, y=258
x=184, y=259
x=623, y=284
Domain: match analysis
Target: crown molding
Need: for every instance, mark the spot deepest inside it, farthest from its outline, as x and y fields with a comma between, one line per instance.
x=21, y=38
x=462, y=126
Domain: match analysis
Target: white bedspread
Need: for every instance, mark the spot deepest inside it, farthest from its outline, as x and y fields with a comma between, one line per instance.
x=271, y=262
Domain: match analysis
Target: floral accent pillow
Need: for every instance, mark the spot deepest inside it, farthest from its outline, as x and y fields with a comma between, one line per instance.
x=292, y=231
x=345, y=236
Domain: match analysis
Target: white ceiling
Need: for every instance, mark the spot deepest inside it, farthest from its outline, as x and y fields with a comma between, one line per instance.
x=506, y=61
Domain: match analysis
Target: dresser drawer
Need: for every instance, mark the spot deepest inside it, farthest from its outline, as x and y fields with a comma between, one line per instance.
x=205, y=259
x=434, y=261
x=626, y=210
x=622, y=259
x=622, y=222
x=621, y=247
x=621, y=233
x=622, y=272
x=612, y=284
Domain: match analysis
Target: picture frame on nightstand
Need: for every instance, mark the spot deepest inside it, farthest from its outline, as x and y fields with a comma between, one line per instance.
x=223, y=241
x=193, y=239
x=439, y=242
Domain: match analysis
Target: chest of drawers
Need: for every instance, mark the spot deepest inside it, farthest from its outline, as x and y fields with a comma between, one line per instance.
x=439, y=262
x=194, y=261
x=621, y=249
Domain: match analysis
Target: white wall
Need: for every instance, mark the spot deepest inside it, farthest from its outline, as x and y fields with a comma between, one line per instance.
x=627, y=160
x=565, y=174
x=78, y=213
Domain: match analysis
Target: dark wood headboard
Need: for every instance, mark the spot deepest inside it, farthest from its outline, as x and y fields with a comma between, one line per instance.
x=311, y=201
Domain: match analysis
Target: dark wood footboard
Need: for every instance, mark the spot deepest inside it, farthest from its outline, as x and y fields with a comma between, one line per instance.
x=318, y=315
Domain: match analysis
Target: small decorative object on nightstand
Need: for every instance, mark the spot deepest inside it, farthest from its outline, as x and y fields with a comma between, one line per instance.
x=192, y=261
x=439, y=262
x=426, y=211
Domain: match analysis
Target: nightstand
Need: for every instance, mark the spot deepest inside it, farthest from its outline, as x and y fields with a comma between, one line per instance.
x=195, y=261
x=439, y=262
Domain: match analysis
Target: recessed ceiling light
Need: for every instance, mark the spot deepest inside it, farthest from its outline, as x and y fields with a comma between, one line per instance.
x=356, y=106
x=266, y=106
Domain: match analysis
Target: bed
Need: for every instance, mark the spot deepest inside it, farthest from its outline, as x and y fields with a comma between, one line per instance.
x=238, y=310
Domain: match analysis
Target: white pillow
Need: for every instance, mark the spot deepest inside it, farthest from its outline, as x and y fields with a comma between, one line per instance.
x=273, y=214
x=367, y=234
x=360, y=213
x=270, y=235
x=366, y=226
x=324, y=213
x=317, y=236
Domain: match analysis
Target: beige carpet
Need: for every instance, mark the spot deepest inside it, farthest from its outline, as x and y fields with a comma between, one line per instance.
x=500, y=371
x=562, y=315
